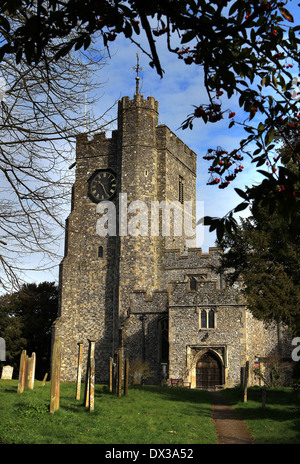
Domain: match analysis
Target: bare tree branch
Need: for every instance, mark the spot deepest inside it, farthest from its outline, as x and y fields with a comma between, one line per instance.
x=42, y=113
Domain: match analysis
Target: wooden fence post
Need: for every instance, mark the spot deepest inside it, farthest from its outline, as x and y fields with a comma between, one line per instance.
x=22, y=371
x=120, y=372
x=44, y=379
x=111, y=361
x=55, y=376
x=114, y=378
x=90, y=377
x=26, y=372
x=92, y=384
x=126, y=376
x=242, y=378
x=78, y=382
x=31, y=370
x=246, y=381
x=264, y=397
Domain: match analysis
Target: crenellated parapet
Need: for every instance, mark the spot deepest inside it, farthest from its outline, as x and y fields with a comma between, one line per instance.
x=206, y=293
x=138, y=101
x=191, y=258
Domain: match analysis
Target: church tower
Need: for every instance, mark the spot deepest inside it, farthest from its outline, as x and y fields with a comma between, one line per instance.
x=125, y=187
x=131, y=276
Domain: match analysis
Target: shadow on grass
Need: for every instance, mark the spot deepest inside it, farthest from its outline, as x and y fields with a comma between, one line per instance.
x=178, y=394
x=181, y=394
x=10, y=390
x=277, y=422
x=198, y=402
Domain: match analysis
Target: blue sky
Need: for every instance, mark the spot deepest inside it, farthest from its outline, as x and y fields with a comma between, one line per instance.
x=180, y=88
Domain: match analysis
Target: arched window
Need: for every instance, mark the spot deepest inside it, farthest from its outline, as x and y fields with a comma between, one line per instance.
x=100, y=252
x=211, y=319
x=203, y=319
x=207, y=319
x=193, y=283
x=181, y=190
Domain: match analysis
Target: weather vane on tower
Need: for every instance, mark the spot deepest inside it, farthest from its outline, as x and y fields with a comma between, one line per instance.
x=137, y=68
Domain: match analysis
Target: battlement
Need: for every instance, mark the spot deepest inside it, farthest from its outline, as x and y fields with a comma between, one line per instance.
x=191, y=258
x=208, y=293
x=138, y=101
x=95, y=146
x=85, y=138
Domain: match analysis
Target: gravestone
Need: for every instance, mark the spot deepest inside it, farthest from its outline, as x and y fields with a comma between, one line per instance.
x=90, y=377
x=7, y=372
x=22, y=372
x=126, y=377
x=31, y=362
x=55, y=376
x=164, y=374
x=137, y=378
x=79, y=370
x=2, y=349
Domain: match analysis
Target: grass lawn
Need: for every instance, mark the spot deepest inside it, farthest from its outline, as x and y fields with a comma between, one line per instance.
x=278, y=423
x=148, y=415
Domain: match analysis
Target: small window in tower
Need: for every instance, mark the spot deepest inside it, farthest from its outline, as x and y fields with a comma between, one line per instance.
x=203, y=319
x=207, y=319
x=221, y=281
x=100, y=252
x=193, y=283
x=181, y=190
x=211, y=319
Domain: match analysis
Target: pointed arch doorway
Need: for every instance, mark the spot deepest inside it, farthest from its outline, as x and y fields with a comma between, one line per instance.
x=208, y=371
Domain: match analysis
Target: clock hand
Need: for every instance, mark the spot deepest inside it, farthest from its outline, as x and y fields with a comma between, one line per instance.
x=105, y=192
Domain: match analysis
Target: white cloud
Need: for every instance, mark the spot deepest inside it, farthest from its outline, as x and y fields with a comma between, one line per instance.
x=179, y=89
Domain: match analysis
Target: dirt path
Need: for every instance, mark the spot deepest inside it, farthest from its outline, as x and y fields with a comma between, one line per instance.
x=229, y=427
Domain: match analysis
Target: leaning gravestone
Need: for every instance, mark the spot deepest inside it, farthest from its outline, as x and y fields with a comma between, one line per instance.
x=7, y=372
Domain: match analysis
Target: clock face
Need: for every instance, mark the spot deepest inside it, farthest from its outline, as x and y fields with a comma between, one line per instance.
x=102, y=185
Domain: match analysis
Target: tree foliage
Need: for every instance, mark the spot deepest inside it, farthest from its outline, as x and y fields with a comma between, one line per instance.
x=246, y=49
x=26, y=319
x=264, y=252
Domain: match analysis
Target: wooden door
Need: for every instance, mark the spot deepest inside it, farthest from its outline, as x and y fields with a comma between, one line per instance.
x=208, y=372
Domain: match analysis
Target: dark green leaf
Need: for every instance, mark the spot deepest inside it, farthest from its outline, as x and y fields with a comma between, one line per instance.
x=269, y=136
x=261, y=161
x=292, y=37
x=234, y=7
x=4, y=23
x=79, y=42
x=266, y=174
x=188, y=36
x=127, y=30
x=220, y=230
x=241, y=193
x=241, y=207
x=87, y=42
x=286, y=14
